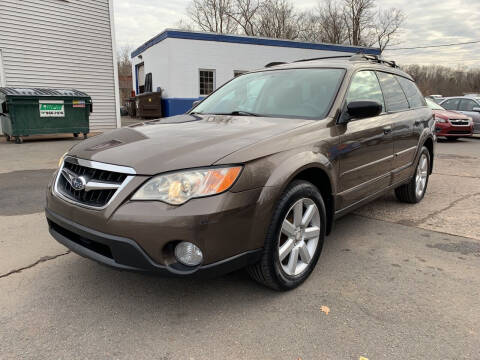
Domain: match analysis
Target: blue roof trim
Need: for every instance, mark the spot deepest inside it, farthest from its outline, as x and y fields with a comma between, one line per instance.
x=177, y=34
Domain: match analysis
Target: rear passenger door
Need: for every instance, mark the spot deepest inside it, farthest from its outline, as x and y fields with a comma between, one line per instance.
x=404, y=121
x=366, y=145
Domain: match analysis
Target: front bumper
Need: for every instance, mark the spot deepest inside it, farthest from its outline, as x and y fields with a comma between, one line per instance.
x=125, y=254
x=447, y=129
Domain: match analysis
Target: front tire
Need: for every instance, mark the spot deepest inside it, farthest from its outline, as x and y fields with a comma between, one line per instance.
x=414, y=191
x=294, y=240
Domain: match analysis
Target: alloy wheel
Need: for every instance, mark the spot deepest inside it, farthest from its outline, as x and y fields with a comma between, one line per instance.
x=299, y=237
x=421, y=176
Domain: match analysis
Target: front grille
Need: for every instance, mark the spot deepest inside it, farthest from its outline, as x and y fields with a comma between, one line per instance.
x=94, y=198
x=459, y=122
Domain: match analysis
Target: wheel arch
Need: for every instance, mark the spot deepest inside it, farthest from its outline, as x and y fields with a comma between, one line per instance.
x=314, y=168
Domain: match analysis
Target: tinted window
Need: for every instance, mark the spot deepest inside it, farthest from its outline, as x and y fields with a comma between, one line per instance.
x=365, y=86
x=392, y=91
x=451, y=104
x=467, y=105
x=414, y=96
x=305, y=93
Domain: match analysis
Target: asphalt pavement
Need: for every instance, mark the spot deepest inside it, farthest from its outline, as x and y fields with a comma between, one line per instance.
x=394, y=281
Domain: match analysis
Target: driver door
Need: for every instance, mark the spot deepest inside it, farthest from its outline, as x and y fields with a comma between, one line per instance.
x=366, y=145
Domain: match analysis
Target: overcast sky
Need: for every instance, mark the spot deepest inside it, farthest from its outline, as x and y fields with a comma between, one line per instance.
x=429, y=22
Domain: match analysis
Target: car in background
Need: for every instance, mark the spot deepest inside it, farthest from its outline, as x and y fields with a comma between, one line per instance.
x=437, y=98
x=450, y=124
x=469, y=106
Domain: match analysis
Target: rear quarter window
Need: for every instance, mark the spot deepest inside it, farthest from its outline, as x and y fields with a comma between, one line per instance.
x=395, y=99
x=414, y=96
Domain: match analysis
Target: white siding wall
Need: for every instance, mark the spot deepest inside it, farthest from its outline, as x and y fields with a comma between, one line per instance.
x=61, y=44
x=175, y=63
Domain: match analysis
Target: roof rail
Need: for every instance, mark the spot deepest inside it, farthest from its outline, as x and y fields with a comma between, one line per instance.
x=275, y=63
x=357, y=57
x=324, y=57
x=373, y=58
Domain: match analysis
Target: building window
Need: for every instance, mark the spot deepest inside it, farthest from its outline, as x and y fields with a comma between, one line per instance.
x=207, y=82
x=238, y=72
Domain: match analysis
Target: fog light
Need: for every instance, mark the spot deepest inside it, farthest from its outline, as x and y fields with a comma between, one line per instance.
x=188, y=254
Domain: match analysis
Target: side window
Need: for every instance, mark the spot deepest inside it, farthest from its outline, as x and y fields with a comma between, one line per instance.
x=395, y=99
x=365, y=86
x=467, y=105
x=414, y=96
x=207, y=82
x=451, y=104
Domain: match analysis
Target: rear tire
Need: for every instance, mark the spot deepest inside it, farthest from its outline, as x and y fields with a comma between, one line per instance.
x=8, y=137
x=294, y=239
x=414, y=191
x=75, y=134
x=85, y=136
x=18, y=140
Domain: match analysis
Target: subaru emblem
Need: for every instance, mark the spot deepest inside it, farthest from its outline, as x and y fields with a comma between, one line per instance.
x=78, y=183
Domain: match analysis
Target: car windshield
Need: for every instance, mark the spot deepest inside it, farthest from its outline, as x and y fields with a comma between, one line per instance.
x=433, y=105
x=302, y=93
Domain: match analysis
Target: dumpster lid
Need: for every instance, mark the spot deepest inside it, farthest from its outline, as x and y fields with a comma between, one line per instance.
x=41, y=92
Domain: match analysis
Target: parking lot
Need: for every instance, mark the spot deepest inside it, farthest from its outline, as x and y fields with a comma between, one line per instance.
x=395, y=281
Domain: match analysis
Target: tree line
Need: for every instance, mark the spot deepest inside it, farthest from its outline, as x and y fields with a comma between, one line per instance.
x=351, y=22
x=443, y=80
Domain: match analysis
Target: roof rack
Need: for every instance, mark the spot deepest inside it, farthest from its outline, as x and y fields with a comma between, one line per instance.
x=357, y=57
x=373, y=58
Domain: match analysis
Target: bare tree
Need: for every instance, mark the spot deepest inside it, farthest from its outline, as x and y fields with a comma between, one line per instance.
x=387, y=26
x=333, y=27
x=245, y=14
x=278, y=19
x=447, y=81
x=354, y=22
x=123, y=60
x=212, y=15
x=358, y=17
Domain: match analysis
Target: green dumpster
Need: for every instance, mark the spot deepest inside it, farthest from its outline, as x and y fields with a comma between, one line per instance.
x=25, y=112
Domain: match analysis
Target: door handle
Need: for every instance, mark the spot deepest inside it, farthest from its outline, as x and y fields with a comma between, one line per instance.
x=387, y=130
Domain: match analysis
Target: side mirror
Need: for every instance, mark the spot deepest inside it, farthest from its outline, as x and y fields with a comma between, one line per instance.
x=360, y=110
x=476, y=109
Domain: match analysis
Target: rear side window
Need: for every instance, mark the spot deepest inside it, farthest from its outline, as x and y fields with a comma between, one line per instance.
x=365, y=86
x=467, y=105
x=414, y=96
x=451, y=104
x=395, y=99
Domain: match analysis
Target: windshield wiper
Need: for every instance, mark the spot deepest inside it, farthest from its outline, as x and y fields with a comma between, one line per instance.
x=240, y=113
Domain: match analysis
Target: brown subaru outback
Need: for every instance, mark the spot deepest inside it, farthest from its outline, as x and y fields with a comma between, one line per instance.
x=253, y=176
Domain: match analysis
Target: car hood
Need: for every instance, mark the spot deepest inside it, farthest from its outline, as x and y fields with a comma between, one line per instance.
x=447, y=114
x=180, y=142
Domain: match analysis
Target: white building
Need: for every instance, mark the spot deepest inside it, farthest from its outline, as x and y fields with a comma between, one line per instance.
x=188, y=66
x=62, y=44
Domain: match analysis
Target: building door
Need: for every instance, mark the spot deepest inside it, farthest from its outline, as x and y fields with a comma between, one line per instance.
x=140, y=76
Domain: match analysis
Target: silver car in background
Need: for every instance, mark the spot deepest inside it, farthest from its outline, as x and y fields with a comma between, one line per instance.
x=468, y=105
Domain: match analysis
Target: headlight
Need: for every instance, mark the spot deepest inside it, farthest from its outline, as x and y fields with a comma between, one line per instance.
x=60, y=162
x=177, y=188
x=440, y=120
